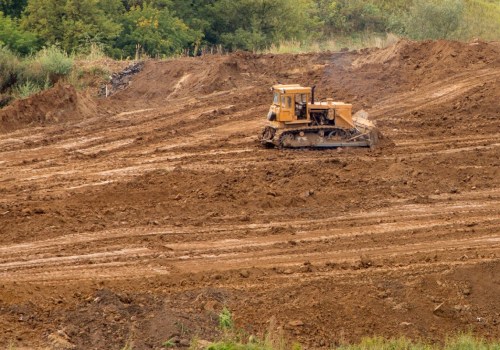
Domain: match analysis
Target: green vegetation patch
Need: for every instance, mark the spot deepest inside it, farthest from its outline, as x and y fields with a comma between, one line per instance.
x=460, y=342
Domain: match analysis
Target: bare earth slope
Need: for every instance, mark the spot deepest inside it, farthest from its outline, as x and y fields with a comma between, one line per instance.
x=139, y=222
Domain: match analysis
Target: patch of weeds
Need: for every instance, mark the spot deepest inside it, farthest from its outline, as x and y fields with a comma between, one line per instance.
x=10, y=67
x=27, y=89
x=183, y=329
x=226, y=320
x=168, y=344
x=129, y=345
x=50, y=64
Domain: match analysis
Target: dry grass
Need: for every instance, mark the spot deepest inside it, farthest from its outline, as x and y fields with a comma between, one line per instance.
x=335, y=44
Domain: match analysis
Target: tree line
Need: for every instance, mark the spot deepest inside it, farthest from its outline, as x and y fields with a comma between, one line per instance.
x=168, y=27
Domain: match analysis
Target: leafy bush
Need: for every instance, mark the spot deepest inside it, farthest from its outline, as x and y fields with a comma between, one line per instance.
x=55, y=61
x=350, y=16
x=9, y=68
x=481, y=19
x=255, y=25
x=155, y=32
x=15, y=38
x=73, y=24
x=48, y=66
x=434, y=19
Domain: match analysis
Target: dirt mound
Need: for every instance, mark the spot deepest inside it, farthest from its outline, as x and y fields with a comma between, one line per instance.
x=189, y=78
x=440, y=55
x=56, y=105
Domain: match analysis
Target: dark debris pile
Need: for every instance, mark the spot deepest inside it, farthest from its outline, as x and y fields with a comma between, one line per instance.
x=121, y=80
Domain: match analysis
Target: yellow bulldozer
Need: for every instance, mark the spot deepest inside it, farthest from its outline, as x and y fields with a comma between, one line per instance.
x=296, y=120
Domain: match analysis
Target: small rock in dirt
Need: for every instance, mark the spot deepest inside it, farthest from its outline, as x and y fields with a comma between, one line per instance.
x=405, y=324
x=175, y=339
x=245, y=218
x=244, y=273
x=60, y=341
x=211, y=305
x=308, y=193
x=184, y=342
x=296, y=323
x=306, y=268
x=444, y=310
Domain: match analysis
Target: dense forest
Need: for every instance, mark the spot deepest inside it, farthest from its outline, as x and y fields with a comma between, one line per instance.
x=161, y=28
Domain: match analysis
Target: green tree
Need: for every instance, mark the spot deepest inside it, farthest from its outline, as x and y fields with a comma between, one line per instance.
x=73, y=23
x=16, y=39
x=350, y=16
x=194, y=13
x=155, y=31
x=434, y=19
x=159, y=4
x=251, y=25
x=12, y=8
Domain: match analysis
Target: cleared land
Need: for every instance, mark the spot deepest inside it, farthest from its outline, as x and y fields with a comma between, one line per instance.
x=137, y=217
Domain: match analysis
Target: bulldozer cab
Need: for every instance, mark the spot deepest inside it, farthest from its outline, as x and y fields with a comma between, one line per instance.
x=290, y=103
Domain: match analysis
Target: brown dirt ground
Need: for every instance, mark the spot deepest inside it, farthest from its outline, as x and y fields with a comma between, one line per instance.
x=137, y=218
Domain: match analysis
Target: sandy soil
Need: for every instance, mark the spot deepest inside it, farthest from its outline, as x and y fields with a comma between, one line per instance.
x=138, y=217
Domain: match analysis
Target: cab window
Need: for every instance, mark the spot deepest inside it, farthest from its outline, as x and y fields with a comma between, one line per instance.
x=276, y=99
x=300, y=98
x=286, y=101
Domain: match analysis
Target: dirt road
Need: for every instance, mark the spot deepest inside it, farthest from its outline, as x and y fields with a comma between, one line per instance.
x=138, y=217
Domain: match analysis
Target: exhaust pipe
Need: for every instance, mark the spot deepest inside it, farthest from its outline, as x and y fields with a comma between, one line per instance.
x=312, y=93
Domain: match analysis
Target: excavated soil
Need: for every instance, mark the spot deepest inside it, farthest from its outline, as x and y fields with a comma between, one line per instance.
x=138, y=221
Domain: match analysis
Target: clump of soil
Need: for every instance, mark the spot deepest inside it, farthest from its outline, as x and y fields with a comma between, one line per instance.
x=58, y=104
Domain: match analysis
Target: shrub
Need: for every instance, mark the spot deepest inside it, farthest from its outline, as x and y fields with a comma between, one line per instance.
x=27, y=89
x=9, y=68
x=54, y=61
x=226, y=319
x=15, y=38
x=433, y=19
x=48, y=66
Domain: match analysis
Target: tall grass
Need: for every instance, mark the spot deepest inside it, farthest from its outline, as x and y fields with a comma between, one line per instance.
x=48, y=66
x=481, y=20
x=338, y=43
x=27, y=89
x=22, y=77
x=459, y=342
x=9, y=68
